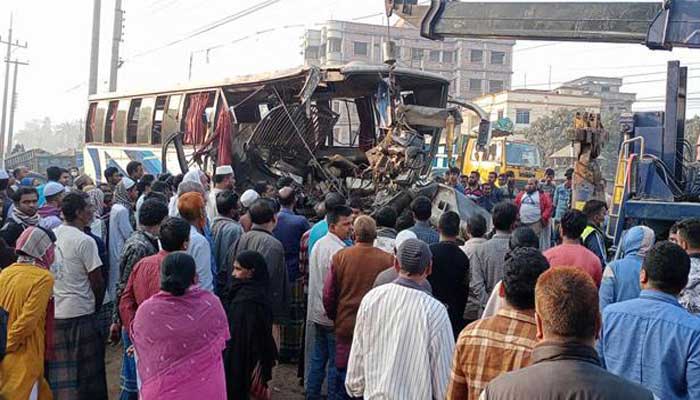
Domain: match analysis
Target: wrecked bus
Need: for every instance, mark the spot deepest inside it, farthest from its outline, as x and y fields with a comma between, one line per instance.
x=369, y=131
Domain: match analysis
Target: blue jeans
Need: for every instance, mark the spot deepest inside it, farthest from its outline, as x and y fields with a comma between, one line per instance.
x=322, y=356
x=340, y=392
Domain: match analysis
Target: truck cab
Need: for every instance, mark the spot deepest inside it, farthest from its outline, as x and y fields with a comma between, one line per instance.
x=505, y=152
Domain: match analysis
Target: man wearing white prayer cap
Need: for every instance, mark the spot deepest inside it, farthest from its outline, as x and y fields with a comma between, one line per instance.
x=223, y=180
x=247, y=199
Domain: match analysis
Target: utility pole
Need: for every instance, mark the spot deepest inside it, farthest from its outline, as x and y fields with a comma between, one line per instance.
x=95, y=47
x=116, y=40
x=13, y=105
x=10, y=45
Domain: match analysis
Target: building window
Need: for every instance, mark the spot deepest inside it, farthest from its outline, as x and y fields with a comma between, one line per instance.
x=416, y=54
x=498, y=57
x=312, y=52
x=605, y=89
x=495, y=86
x=475, y=85
x=435, y=56
x=522, y=116
x=360, y=48
x=476, y=56
x=335, y=45
x=448, y=57
x=500, y=114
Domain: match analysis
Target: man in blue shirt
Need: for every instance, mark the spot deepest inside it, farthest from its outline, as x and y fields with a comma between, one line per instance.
x=653, y=340
x=422, y=209
x=320, y=230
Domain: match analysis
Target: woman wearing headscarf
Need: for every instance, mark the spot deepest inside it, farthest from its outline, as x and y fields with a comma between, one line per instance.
x=179, y=335
x=191, y=208
x=621, y=277
x=251, y=353
x=25, y=293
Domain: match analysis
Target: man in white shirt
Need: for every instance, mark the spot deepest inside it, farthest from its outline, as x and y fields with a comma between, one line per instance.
x=223, y=180
x=77, y=370
x=322, y=351
x=403, y=342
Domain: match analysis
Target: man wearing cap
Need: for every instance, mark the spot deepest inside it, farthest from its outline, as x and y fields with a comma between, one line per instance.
x=249, y=197
x=408, y=355
x=51, y=210
x=289, y=230
x=223, y=180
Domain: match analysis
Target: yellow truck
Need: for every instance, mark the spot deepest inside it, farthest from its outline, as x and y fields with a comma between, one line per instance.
x=504, y=152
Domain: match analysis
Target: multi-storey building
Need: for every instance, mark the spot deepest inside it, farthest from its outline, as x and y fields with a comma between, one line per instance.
x=474, y=67
x=608, y=89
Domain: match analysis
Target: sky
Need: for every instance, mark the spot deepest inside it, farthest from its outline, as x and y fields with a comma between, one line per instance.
x=59, y=35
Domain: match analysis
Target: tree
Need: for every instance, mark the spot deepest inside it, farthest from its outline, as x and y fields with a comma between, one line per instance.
x=549, y=131
x=692, y=132
x=42, y=134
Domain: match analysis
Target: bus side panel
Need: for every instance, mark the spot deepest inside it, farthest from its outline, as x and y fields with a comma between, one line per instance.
x=98, y=158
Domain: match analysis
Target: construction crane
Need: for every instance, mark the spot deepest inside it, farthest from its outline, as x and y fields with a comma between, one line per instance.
x=656, y=182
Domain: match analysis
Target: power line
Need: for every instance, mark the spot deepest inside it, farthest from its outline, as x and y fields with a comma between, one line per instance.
x=209, y=27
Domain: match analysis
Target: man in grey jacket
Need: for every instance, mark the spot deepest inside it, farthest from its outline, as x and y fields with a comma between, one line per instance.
x=487, y=262
x=260, y=239
x=225, y=232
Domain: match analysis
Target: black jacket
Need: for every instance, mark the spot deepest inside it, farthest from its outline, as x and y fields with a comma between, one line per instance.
x=569, y=371
x=450, y=281
x=11, y=232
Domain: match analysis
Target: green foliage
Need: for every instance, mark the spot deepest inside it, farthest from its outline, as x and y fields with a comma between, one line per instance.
x=549, y=131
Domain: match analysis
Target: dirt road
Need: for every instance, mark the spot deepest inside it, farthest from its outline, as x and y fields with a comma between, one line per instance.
x=285, y=384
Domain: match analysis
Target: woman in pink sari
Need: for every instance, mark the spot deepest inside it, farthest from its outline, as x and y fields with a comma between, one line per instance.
x=179, y=335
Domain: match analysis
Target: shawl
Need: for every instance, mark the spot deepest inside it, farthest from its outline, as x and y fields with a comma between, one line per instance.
x=169, y=331
x=250, y=324
x=36, y=246
x=121, y=196
x=24, y=219
x=96, y=198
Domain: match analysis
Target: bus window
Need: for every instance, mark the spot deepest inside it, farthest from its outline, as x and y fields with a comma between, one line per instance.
x=492, y=153
x=171, y=119
x=145, y=121
x=90, y=124
x=158, y=115
x=132, y=122
x=195, y=122
x=111, y=120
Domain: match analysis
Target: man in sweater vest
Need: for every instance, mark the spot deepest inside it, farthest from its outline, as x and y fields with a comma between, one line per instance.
x=352, y=274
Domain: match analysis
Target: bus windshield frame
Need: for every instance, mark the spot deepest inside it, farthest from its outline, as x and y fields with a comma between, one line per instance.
x=515, y=152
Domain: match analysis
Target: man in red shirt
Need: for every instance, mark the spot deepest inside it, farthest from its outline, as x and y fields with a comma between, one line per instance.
x=144, y=280
x=571, y=253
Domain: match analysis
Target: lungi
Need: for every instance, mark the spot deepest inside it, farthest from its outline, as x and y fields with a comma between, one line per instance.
x=127, y=378
x=77, y=371
x=291, y=331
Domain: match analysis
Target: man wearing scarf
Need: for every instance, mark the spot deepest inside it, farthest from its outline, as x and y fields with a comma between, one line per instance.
x=121, y=226
x=51, y=210
x=24, y=214
x=25, y=293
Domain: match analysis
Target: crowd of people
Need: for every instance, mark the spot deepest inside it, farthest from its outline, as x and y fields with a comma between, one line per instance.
x=207, y=290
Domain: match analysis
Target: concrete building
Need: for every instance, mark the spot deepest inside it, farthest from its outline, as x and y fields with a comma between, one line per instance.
x=525, y=106
x=608, y=89
x=474, y=67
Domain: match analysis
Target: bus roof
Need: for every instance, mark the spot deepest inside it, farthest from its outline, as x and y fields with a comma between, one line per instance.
x=341, y=72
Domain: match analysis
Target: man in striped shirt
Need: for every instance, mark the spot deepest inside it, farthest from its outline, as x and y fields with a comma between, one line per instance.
x=406, y=356
x=504, y=342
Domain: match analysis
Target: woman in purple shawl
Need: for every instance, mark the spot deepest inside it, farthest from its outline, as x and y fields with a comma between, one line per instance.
x=179, y=335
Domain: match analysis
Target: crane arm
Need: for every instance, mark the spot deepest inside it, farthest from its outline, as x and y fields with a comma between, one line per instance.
x=662, y=25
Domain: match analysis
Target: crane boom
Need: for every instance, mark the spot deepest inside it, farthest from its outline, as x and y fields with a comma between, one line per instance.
x=673, y=23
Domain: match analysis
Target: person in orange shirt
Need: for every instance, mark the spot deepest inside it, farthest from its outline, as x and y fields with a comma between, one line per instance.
x=25, y=291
